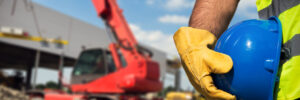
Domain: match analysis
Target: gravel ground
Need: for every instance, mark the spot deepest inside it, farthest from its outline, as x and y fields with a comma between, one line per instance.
x=11, y=94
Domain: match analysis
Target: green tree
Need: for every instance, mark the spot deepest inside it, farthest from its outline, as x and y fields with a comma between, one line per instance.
x=40, y=86
x=52, y=85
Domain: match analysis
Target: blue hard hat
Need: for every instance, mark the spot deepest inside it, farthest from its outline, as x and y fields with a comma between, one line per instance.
x=254, y=46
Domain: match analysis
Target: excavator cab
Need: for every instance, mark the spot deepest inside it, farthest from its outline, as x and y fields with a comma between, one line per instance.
x=93, y=64
x=96, y=72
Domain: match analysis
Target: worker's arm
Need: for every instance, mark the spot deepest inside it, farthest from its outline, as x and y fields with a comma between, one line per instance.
x=209, y=19
x=213, y=15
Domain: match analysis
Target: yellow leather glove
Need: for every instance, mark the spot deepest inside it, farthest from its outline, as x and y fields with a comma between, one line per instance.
x=199, y=61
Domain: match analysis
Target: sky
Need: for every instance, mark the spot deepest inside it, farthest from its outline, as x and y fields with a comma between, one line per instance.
x=153, y=23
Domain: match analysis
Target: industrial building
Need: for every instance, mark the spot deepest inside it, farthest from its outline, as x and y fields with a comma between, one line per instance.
x=36, y=20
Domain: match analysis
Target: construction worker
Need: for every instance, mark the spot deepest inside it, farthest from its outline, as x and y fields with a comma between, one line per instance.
x=210, y=19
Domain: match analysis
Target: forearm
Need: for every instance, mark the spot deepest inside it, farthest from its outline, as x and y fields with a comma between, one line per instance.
x=213, y=15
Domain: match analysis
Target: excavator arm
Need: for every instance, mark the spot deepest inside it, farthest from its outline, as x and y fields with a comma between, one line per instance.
x=111, y=14
x=113, y=18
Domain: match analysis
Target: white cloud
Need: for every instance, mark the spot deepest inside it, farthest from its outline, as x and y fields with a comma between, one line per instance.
x=246, y=7
x=179, y=4
x=245, y=4
x=155, y=38
x=150, y=2
x=174, y=19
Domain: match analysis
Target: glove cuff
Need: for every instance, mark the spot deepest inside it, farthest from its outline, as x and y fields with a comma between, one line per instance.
x=188, y=37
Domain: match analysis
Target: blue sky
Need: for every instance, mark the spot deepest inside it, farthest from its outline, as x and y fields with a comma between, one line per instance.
x=153, y=21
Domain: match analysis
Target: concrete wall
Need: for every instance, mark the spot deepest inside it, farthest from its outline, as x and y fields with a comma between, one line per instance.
x=51, y=25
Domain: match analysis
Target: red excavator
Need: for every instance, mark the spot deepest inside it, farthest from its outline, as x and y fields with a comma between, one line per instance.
x=124, y=72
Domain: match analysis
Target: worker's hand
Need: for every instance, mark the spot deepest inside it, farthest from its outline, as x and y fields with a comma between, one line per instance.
x=199, y=61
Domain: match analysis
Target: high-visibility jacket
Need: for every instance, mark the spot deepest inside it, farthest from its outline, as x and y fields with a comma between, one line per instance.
x=288, y=11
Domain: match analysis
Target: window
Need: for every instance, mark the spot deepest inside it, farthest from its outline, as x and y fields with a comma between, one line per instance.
x=110, y=63
x=122, y=59
x=90, y=62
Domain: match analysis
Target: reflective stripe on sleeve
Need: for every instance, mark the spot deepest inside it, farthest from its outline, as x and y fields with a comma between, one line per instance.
x=277, y=7
x=292, y=47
